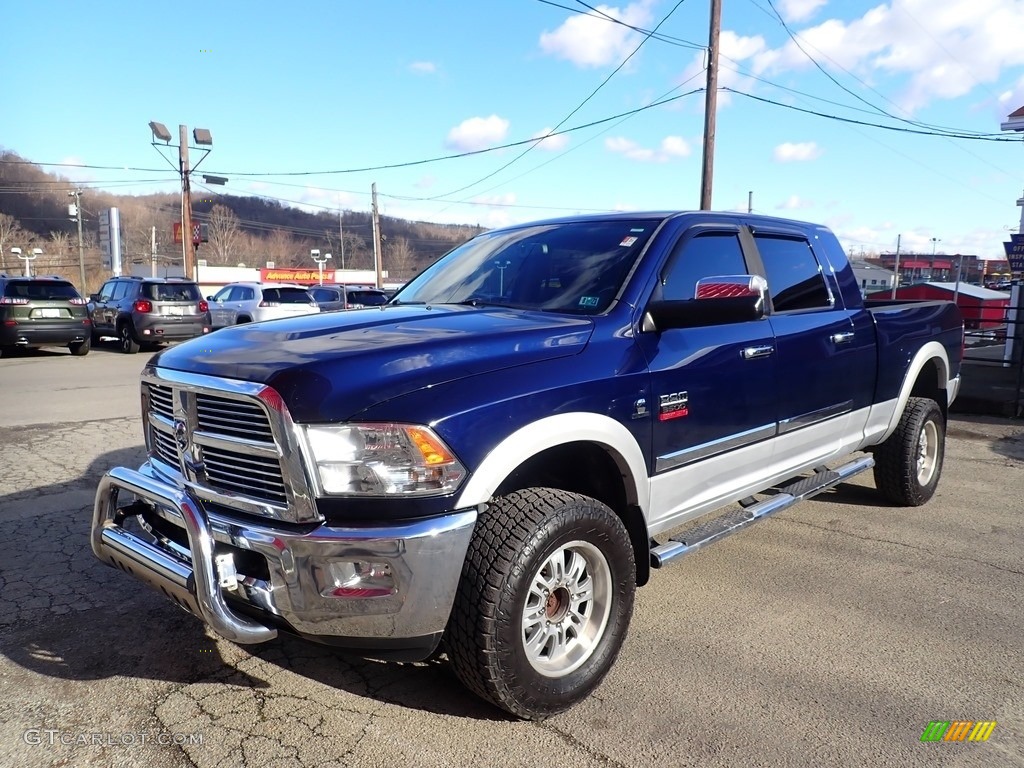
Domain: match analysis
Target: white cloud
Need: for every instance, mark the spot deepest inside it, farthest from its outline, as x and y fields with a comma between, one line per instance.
x=423, y=67
x=940, y=50
x=794, y=203
x=477, y=133
x=425, y=182
x=552, y=143
x=799, y=10
x=671, y=147
x=592, y=41
x=788, y=152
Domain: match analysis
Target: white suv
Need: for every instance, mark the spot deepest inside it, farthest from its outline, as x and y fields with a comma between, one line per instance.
x=251, y=302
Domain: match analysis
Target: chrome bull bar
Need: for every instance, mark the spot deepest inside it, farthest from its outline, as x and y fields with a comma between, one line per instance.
x=194, y=586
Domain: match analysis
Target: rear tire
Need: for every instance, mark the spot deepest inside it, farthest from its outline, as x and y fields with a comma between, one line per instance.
x=81, y=348
x=544, y=601
x=128, y=343
x=908, y=464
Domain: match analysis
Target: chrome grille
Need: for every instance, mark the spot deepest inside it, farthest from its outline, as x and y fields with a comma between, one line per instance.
x=236, y=472
x=161, y=400
x=233, y=418
x=164, y=446
x=230, y=453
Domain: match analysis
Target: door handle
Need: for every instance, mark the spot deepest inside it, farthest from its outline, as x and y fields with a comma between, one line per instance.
x=842, y=338
x=753, y=352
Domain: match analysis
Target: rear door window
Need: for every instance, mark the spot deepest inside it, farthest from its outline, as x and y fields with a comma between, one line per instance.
x=287, y=295
x=795, y=280
x=120, y=289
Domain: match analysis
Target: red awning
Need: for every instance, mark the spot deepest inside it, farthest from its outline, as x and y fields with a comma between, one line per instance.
x=915, y=265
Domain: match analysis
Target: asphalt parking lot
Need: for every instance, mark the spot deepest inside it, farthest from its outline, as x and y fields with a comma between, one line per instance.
x=830, y=635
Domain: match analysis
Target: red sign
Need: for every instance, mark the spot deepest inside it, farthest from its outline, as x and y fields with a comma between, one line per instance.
x=197, y=232
x=292, y=275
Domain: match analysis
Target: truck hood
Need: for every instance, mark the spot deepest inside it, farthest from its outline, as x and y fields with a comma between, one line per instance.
x=331, y=366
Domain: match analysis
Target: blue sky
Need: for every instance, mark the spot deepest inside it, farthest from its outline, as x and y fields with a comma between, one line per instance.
x=314, y=86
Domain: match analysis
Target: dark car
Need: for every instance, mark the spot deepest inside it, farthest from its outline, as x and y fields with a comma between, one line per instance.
x=149, y=310
x=42, y=312
x=334, y=297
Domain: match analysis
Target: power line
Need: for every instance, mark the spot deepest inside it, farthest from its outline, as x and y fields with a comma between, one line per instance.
x=578, y=107
x=601, y=15
x=898, y=129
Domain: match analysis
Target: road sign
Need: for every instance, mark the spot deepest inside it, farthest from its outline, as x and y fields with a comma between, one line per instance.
x=1015, y=252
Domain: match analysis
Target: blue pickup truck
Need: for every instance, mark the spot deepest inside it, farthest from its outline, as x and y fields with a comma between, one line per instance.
x=489, y=465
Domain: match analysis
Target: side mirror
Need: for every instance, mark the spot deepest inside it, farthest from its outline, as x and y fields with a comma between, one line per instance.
x=94, y=297
x=717, y=300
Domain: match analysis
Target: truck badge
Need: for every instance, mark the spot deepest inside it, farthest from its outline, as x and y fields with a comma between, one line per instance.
x=673, y=406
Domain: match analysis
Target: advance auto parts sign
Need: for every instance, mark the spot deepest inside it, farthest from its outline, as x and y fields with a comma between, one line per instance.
x=269, y=275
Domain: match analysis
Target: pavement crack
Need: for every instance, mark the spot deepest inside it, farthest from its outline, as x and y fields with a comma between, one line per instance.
x=903, y=544
x=575, y=743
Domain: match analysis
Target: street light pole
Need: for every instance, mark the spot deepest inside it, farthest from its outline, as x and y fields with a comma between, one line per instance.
x=28, y=258
x=202, y=139
x=315, y=253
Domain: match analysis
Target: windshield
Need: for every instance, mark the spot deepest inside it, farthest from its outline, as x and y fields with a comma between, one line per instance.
x=574, y=267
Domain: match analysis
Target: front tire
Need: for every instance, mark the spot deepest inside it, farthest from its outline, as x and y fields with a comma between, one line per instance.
x=908, y=464
x=544, y=601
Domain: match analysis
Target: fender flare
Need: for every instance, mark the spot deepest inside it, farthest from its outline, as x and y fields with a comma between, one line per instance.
x=931, y=350
x=553, y=431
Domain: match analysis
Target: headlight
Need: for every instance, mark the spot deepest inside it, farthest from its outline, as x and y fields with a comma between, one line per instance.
x=383, y=460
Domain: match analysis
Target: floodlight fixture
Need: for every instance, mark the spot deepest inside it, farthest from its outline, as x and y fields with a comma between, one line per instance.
x=160, y=131
x=202, y=137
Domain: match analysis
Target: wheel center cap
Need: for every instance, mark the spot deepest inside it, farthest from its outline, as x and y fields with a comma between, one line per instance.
x=557, y=604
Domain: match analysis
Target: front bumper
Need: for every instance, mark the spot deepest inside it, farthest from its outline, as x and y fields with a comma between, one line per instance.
x=424, y=556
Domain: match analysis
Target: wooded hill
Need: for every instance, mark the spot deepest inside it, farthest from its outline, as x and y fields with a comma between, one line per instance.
x=241, y=230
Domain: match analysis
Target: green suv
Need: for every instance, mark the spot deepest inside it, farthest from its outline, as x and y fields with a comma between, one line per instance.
x=42, y=312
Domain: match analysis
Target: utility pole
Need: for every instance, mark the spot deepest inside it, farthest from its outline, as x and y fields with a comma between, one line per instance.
x=341, y=234
x=152, y=252
x=188, y=250
x=710, y=106
x=378, y=256
x=77, y=194
x=896, y=268
x=750, y=201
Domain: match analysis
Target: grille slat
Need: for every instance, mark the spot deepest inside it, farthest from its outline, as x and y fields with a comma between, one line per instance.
x=161, y=400
x=215, y=463
x=227, y=418
x=235, y=418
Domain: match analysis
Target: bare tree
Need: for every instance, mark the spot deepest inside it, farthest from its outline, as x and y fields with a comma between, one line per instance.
x=225, y=235
x=278, y=247
x=11, y=234
x=400, y=259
